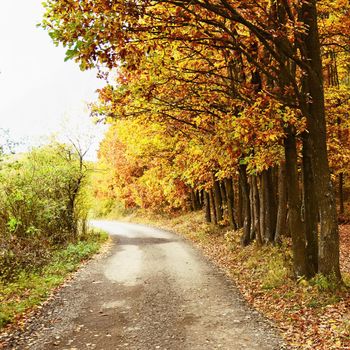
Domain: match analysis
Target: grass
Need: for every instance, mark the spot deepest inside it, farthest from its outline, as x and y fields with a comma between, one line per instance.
x=29, y=289
x=310, y=314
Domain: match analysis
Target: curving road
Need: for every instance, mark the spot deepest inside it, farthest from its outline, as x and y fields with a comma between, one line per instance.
x=152, y=290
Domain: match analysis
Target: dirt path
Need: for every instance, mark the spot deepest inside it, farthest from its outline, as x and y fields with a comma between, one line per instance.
x=151, y=291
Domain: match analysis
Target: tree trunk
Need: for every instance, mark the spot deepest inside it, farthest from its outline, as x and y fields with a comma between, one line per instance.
x=230, y=202
x=270, y=206
x=193, y=200
x=256, y=211
x=281, y=225
x=213, y=209
x=223, y=200
x=310, y=209
x=207, y=207
x=239, y=204
x=297, y=227
x=341, y=193
x=252, y=212
x=261, y=209
x=218, y=201
x=245, y=239
x=316, y=123
x=198, y=200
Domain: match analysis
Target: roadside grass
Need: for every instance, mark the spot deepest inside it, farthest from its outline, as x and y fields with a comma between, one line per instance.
x=31, y=288
x=311, y=314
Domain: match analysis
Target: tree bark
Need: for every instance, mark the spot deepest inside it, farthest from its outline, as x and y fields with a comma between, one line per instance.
x=297, y=227
x=239, y=204
x=230, y=202
x=316, y=123
x=193, y=200
x=270, y=206
x=341, y=193
x=199, y=199
x=252, y=212
x=261, y=209
x=223, y=200
x=207, y=207
x=246, y=237
x=281, y=225
x=213, y=209
x=256, y=210
x=310, y=209
x=218, y=201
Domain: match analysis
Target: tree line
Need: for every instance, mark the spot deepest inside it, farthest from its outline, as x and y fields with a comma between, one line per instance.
x=239, y=105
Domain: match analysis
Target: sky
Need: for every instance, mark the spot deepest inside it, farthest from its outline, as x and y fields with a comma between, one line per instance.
x=38, y=90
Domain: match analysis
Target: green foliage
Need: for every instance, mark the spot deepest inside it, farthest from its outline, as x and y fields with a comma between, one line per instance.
x=324, y=283
x=109, y=208
x=276, y=274
x=30, y=288
x=42, y=206
x=271, y=263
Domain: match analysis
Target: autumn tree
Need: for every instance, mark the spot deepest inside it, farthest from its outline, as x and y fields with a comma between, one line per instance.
x=268, y=51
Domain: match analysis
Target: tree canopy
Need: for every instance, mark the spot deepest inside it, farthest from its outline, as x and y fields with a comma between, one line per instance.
x=226, y=102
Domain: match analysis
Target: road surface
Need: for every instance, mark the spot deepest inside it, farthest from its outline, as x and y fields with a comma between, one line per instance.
x=152, y=290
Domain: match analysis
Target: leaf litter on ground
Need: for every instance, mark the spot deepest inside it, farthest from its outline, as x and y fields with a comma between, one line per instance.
x=309, y=314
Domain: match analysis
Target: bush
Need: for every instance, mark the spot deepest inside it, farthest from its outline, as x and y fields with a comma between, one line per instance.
x=29, y=288
x=41, y=206
x=323, y=283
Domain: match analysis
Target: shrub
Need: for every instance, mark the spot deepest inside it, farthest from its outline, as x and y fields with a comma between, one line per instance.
x=41, y=206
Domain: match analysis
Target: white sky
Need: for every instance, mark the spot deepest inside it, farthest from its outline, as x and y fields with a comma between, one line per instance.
x=37, y=88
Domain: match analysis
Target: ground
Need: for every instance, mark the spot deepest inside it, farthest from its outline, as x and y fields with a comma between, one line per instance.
x=311, y=315
x=150, y=290
x=344, y=231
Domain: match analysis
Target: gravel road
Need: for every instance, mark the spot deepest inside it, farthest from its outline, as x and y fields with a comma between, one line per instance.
x=151, y=290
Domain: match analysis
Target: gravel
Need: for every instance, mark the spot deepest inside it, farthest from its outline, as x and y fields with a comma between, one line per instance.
x=149, y=290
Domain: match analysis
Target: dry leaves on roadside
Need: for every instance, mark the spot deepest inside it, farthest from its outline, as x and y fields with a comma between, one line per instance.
x=308, y=317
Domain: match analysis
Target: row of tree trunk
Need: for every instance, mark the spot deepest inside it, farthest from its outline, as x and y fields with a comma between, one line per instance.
x=258, y=204
x=280, y=201
x=293, y=198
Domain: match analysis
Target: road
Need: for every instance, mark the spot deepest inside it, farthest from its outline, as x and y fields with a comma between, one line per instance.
x=152, y=290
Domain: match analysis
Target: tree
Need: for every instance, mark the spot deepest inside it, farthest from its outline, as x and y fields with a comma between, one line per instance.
x=273, y=53
x=42, y=206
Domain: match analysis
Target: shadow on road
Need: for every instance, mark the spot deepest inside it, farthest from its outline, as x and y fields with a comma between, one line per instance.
x=142, y=241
